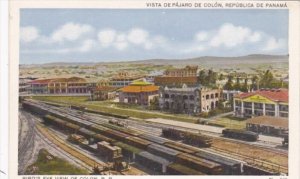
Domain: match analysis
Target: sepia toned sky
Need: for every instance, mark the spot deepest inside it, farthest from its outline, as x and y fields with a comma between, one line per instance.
x=95, y=35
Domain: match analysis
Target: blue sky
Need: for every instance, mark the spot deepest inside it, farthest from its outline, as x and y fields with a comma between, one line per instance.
x=95, y=35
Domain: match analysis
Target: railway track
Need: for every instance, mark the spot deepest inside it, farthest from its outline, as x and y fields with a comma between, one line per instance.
x=221, y=151
x=26, y=144
x=252, y=161
x=67, y=148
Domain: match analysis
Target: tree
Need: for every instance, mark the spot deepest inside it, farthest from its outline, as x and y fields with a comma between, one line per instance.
x=244, y=88
x=254, y=81
x=229, y=83
x=237, y=85
x=201, y=77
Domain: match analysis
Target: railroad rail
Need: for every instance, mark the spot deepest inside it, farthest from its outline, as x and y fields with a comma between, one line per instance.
x=249, y=160
x=67, y=148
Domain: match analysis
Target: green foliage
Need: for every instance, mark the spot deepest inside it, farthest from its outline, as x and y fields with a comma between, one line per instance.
x=154, y=103
x=229, y=84
x=47, y=164
x=208, y=78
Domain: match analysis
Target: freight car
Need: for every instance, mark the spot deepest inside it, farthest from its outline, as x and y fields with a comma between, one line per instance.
x=230, y=166
x=163, y=151
x=240, y=134
x=80, y=108
x=197, y=139
x=118, y=122
x=178, y=169
x=197, y=163
x=182, y=147
x=153, y=162
x=173, y=133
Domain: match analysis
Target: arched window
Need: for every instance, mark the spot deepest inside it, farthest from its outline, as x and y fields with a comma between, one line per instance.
x=207, y=96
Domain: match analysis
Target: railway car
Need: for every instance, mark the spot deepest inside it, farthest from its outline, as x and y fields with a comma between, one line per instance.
x=173, y=133
x=137, y=142
x=153, y=162
x=230, y=166
x=178, y=169
x=116, y=134
x=181, y=147
x=203, y=165
x=252, y=170
x=198, y=139
x=155, y=139
x=80, y=108
x=163, y=151
x=240, y=134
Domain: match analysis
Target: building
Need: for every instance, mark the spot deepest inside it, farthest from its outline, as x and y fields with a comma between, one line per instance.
x=188, y=71
x=178, y=77
x=188, y=100
x=175, y=81
x=268, y=125
x=264, y=102
x=101, y=93
x=138, y=92
x=24, y=86
x=123, y=79
x=73, y=85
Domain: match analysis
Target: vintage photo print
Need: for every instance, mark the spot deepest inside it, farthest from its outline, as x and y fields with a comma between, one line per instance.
x=146, y=88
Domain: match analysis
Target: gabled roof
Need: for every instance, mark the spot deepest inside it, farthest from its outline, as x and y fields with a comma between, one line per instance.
x=281, y=95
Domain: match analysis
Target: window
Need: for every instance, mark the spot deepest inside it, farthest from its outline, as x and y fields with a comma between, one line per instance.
x=207, y=96
x=216, y=95
x=270, y=107
x=192, y=97
x=247, y=105
x=283, y=107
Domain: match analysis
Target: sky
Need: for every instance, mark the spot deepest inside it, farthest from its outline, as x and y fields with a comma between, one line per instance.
x=106, y=35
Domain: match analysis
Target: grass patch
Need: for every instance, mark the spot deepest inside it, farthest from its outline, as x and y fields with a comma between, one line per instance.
x=47, y=164
x=110, y=107
x=229, y=123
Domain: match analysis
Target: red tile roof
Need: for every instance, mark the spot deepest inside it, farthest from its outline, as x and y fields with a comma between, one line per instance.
x=281, y=95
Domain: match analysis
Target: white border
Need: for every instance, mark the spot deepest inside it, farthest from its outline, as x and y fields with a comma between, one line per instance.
x=294, y=65
x=4, y=89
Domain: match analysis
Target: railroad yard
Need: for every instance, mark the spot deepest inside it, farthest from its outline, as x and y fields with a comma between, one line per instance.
x=105, y=143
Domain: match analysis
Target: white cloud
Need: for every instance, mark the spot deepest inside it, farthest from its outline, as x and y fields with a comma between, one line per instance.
x=106, y=37
x=71, y=32
x=87, y=45
x=201, y=36
x=230, y=36
x=138, y=36
x=121, y=42
x=29, y=34
x=255, y=37
x=274, y=44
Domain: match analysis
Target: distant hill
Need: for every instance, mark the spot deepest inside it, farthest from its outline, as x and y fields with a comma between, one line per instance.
x=204, y=61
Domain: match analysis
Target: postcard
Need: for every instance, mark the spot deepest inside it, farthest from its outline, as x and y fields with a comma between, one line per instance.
x=109, y=89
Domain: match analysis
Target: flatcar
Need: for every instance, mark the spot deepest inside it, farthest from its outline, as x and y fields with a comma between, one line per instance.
x=173, y=133
x=198, y=139
x=200, y=164
x=240, y=134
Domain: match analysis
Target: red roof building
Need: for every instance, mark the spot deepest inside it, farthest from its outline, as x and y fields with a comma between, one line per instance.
x=263, y=102
x=138, y=92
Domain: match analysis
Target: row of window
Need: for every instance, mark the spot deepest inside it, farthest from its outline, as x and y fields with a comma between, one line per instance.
x=269, y=107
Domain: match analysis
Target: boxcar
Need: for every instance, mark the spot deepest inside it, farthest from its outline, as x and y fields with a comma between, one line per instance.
x=240, y=134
